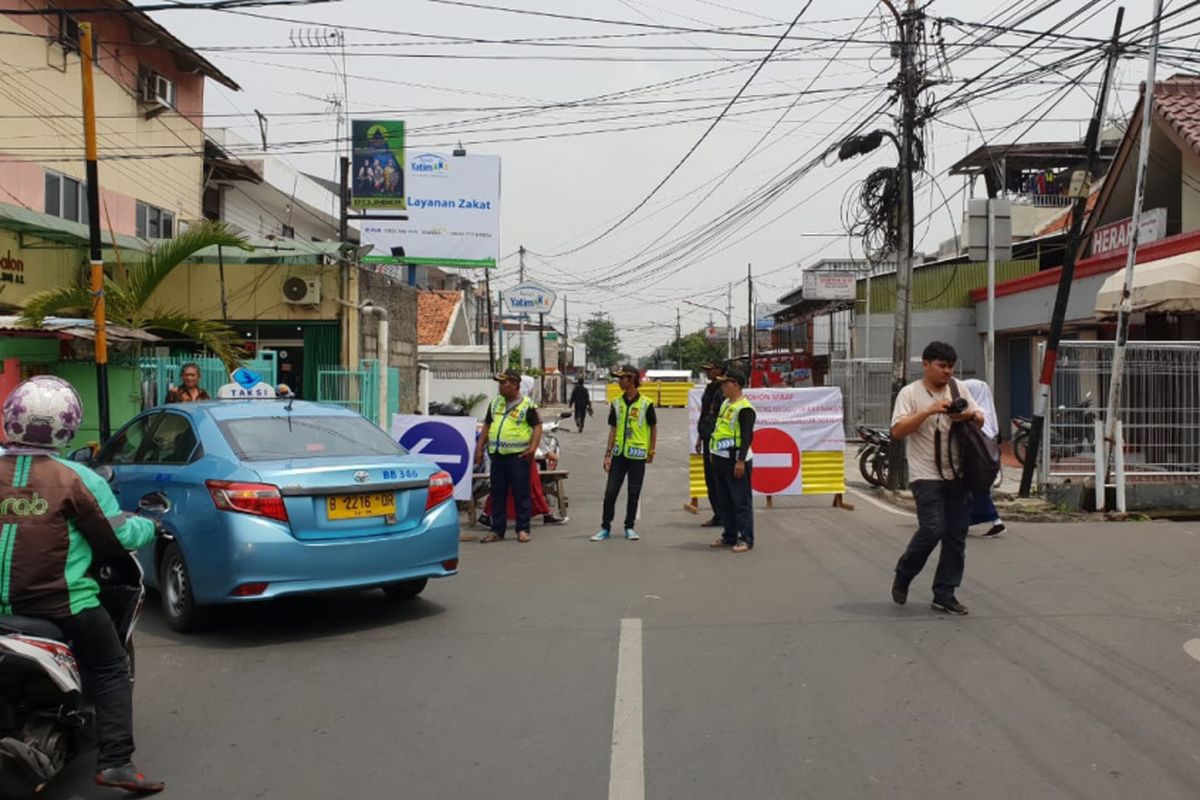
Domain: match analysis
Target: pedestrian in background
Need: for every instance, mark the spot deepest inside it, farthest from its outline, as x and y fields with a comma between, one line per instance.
x=923, y=414
x=581, y=404
x=732, y=456
x=632, y=436
x=190, y=391
x=710, y=407
x=983, y=507
x=511, y=432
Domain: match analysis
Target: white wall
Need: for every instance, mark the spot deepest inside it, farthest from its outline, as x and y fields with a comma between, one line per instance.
x=442, y=389
x=953, y=326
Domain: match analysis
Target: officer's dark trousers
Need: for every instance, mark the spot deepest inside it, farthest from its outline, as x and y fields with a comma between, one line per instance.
x=510, y=473
x=735, y=500
x=636, y=472
x=942, y=514
x=105, y=670
x=710, y=480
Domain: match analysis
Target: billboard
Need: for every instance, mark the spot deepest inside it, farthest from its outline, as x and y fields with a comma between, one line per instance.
x=453, y=210
x=1114, y=238
x=529, y=298
x=829, y=285
x=377, y=165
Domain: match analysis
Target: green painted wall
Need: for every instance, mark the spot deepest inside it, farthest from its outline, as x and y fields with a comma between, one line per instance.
x=124, y=393
x=941, y=287
x=29, y=350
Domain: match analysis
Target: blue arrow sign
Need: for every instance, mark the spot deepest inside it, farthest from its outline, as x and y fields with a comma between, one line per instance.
x=441, y=444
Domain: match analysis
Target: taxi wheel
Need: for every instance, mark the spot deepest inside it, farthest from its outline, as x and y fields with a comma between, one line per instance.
x=405, y=590
x=178, y=601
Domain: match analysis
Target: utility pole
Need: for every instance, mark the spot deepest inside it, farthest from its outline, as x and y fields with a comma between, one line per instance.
x=95, y=258
x=562, y=351
x=729, y=322
x=750, y=329
x=487, y=288
x=521, y=337
x=1080, y=188
x=678, y=341
x=910, y=83
x=1122, y=337
x=989, y=349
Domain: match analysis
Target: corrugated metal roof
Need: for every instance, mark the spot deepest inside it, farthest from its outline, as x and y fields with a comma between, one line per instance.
x=54, y=229
x=941, y=286
x=73, y=326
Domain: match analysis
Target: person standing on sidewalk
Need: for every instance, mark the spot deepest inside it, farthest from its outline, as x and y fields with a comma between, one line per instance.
x=710, y=407
x=732, y=460
x=511, y=432
x=632, y=436
x=581, y=404
x=983, y=508
x=923, y=414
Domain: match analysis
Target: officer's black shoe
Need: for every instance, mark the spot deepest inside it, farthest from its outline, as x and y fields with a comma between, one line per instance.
x=129, y=779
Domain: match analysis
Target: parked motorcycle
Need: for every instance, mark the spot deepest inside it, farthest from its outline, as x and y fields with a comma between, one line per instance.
x=44, y=712
x=873, y=454
x=1066, y=440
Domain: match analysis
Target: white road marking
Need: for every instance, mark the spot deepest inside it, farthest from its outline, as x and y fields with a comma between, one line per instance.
x=418, y=449
x=1192, y=648
x=773, y=461
x=627, y=767
x=879, y=503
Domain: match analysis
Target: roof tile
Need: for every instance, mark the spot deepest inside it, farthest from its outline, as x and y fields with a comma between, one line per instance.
x=435, y=312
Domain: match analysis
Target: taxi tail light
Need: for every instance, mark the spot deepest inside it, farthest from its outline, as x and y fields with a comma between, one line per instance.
x=441, y=489
x=257, y=499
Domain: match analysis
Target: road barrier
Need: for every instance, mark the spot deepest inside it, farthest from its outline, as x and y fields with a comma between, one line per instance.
x=663, y=395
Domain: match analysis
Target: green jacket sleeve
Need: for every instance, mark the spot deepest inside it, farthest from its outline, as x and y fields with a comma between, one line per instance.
x=99, y=518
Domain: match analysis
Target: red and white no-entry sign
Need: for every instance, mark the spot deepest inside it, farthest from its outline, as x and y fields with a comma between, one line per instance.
x=776, y=461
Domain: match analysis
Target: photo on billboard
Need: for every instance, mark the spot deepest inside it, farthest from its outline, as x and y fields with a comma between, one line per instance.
x=377, y=166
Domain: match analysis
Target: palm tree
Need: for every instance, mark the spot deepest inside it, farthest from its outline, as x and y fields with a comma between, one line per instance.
x=127, y=296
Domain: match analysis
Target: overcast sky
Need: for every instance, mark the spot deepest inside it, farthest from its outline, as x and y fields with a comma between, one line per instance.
x=559, y=193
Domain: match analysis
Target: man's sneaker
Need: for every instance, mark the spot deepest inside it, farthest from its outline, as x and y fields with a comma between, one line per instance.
x=554, y=519
x=996, y=530
x=950, y=606
x=899, y=594
x=600, y=536
x=129, y=779
x=631, y=535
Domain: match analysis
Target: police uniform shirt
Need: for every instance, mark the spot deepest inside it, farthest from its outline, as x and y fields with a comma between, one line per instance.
x=651, y=417
x=531, y=416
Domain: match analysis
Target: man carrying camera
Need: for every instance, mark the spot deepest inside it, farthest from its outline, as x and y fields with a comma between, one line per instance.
x=923, y=414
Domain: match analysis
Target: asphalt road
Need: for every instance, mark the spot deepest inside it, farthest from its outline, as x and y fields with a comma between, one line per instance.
x=783, y=673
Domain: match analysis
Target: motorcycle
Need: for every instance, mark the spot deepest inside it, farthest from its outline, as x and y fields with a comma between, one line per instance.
x=873, y=454
x=1066, y=440
x=45, y=716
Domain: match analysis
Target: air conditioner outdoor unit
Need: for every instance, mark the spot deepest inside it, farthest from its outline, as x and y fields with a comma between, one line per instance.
x=157, y=90
x=302, y=291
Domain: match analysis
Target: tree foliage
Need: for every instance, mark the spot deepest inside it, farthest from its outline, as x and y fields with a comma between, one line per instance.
x=696, y=349
x=603, y=344
x=127, y=294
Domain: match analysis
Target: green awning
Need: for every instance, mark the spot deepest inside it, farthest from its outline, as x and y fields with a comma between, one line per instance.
x=274, y=251
x=51, y=230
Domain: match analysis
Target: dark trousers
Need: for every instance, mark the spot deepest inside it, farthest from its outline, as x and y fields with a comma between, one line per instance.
x=710, y=479
x=623, y=467
x=580, y=415
x=510, y=473
x=983, y=509
x=735, y=501
x=942, y=518
x=105, y=669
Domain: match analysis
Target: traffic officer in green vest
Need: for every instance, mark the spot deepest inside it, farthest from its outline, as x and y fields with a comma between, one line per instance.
x=730, y=446
x=511, y=433
x=632, y=435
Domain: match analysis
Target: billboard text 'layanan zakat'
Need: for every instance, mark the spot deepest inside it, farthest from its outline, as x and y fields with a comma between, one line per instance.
x=453, y=210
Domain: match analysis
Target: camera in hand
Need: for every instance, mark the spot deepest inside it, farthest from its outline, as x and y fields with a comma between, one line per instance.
x=958, y=406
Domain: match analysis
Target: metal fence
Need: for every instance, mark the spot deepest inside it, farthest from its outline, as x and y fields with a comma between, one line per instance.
x=358, y=389
x=866, y=385
x=1160, y=409
x=159, y=373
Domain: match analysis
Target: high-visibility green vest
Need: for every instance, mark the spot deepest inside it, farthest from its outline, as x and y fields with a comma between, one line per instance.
x=632, y=438
x=727, y=435
x=510, y=431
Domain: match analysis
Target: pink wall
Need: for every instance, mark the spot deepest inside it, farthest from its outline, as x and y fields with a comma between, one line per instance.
x=120, y=57
x=24, y=184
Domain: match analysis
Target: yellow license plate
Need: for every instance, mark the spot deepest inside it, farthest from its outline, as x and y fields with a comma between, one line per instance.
x=358, y=506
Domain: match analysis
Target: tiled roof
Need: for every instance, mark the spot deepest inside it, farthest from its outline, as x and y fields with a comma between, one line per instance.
x=1177, y=100
x=435, y=312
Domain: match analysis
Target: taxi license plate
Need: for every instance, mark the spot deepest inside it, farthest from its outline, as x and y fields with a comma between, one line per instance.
x=360, y=506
